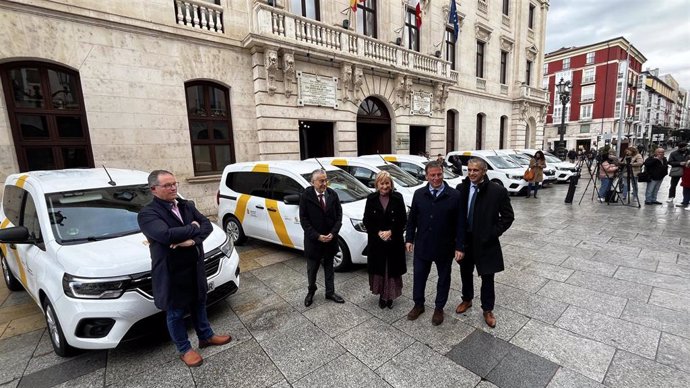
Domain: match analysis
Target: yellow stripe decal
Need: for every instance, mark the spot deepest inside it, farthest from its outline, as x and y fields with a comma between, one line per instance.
x=22, y=274
x=241, y=208
x=339, y=162
x=278, y=223
x=261, y=167
x=3, y=225
x=390, y=158
x=21, y=180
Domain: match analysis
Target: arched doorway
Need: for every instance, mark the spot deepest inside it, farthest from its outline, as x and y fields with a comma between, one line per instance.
x=373, y=128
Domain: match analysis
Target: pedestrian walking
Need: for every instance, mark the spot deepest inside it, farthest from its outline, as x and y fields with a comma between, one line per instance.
x=430, y=233
x=537, y=164
x=175, y=231
x=674, y=160
x=485, y=214
x=685, y=183
x=385, y=217
x=320, y=215
x=572, y=155
x=657, y=167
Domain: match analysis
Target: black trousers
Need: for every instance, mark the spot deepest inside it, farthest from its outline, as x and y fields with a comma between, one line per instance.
x=672, y=189
x=313, y=264
x=488, y=295
x=421, y=275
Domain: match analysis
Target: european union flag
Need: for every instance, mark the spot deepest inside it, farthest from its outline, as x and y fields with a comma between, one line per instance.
x=453, y=19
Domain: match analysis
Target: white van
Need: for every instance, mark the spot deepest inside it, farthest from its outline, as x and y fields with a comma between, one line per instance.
x=523, y=160
x=415, y=166
x=261, y=200
x=564, y=170
x=71, y=239
x=365, y=171
x=501, y=170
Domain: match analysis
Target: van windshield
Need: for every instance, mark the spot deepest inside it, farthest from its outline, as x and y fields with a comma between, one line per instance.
x=349, y=189
x=399, y=176
x=98, y=214
x=501, y=162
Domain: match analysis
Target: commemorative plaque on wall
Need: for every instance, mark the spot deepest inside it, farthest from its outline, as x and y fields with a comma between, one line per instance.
x=421, y=103
x=316, y=90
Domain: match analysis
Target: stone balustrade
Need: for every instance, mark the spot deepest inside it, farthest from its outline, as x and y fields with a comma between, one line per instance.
x=482, y=6
x=199, y=14
x=287, y=29
x=527, y=91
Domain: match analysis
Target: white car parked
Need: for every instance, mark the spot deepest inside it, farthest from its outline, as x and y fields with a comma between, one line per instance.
x=71, y=239
x=501, y=170
x=261, y=200
x=414, y=165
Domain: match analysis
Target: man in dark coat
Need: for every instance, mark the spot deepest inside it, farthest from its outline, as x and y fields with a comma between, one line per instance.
x=485, y=214
x=321, y=217
x=430, y=233
x=674, y=160
x=656, y=166
x=176, y=231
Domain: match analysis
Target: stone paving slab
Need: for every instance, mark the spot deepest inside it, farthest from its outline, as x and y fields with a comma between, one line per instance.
x=585, y=298
x=522, y=280
x=611, y=286
x=549, y=271
x=671, y=268
x=566, y=378
x=676, y=300
x=530, y=305
x=522, y=369
x=659, y=318
x=590, y=266
x=374, y=342
x=565, y=349
x=630, y=370
x=654, y=279
x=344, y=371
x=611, y=331
x=335, y=319
x=674, y=351
x=15, y=355
x=419, y=366
x=479, y=352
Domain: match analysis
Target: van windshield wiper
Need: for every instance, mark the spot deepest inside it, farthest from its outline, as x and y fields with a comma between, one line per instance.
x=101, y=237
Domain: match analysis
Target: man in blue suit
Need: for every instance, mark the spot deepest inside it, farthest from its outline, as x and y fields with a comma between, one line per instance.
x=176, y=230
x=430, y=233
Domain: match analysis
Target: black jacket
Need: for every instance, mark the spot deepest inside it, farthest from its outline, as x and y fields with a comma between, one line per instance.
x=493, y=215
x=316, y=222
x=676, y=157
x=178, y=275
x=432, y=224
x=391, y=252
x=657, y=169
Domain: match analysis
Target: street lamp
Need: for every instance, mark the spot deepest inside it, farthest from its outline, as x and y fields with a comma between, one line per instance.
x=563, y=89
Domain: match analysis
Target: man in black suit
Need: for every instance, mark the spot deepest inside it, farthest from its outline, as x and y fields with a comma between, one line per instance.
x=430, y=233
x=176, y=230
x=485, y=214
x=320, y=215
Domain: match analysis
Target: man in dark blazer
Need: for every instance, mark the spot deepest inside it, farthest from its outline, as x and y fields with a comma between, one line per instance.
x=485, y=214
x=321, y=217
x=430, y=233
x=176, y=231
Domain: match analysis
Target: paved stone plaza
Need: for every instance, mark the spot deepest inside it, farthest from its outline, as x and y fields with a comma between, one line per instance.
x=593, y=295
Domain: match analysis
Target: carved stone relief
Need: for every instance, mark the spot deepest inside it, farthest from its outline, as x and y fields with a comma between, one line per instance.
x=288, y=72
x=357, y=83
x=507, y=43
x=271, y=67
x=482, y=31
x=531, y=53
x=346, y=80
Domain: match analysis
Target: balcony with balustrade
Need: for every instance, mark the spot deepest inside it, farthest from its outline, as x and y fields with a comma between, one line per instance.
x=273, y=27
x=531, y=94
x=199, y=14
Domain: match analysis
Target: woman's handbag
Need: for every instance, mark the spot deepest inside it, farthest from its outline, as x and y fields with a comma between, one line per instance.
x=528, y=175
x=643, y=176
x=676, y=171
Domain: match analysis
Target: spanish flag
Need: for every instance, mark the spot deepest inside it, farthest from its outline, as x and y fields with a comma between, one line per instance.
x=417, y=11
x=353, y=4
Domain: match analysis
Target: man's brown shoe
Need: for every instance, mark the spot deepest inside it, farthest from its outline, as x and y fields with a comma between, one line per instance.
x=437, y=318
x=415, y=313
x=216, y=340
x=464, y=306
x=192, y=358
x=489, y=318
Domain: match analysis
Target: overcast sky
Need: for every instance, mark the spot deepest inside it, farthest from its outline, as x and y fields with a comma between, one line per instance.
x=659, y=29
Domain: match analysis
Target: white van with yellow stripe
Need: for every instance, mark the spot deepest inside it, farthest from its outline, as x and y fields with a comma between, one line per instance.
x=365, y=170
x=415, y=165
x=71, y=239
x=261, y=200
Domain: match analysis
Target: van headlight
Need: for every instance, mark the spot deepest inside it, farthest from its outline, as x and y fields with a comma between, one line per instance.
x=516, y=177
x=358, y=225
x=227, y=247
x=94, y=288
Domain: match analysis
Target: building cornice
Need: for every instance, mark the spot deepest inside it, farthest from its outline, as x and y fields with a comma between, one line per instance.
x=573, y=51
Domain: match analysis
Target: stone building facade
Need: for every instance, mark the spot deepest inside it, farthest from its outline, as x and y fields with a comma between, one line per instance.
x=191, y=85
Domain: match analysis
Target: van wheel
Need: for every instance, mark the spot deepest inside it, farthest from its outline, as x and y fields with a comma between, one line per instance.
x=57, y=338
x=497, y=181
x=233, y=228
x=342, y=259
x=12, y=283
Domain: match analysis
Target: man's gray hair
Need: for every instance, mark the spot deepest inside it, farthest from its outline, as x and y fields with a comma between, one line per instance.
x=153, y=176
x=318, y=171
x=433, y=164
x=478, y=161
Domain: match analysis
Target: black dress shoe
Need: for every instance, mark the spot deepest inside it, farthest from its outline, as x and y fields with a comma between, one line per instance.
x=382, y=303
x=336, y=298
x=390, y=304
x=309, y=299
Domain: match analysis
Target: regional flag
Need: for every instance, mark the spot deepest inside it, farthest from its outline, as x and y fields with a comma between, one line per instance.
x=353, y=4
x=453, y=19
x=417, y=12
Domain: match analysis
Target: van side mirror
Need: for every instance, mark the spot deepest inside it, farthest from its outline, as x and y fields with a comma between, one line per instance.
x=16, y=235
x=291, y=199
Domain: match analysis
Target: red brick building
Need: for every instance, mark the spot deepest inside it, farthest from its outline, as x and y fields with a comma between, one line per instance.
x=603, y=77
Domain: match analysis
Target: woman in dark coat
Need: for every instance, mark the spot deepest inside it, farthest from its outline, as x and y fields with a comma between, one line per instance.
x=385, y=217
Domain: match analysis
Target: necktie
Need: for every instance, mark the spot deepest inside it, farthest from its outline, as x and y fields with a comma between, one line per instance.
x=470, y=211
x=322, y=202
x=434, y=192
x=176, y=211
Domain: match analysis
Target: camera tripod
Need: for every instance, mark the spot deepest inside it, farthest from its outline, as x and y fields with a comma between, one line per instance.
x=619, y=180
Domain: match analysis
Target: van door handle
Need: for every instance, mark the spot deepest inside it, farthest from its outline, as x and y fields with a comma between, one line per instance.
x=271, y=209
x=259, y=207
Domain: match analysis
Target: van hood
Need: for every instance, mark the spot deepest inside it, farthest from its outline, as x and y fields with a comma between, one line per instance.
x=117, y=256
x=354, y=209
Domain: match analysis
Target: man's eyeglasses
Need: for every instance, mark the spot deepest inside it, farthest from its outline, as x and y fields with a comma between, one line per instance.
x=169, y=186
